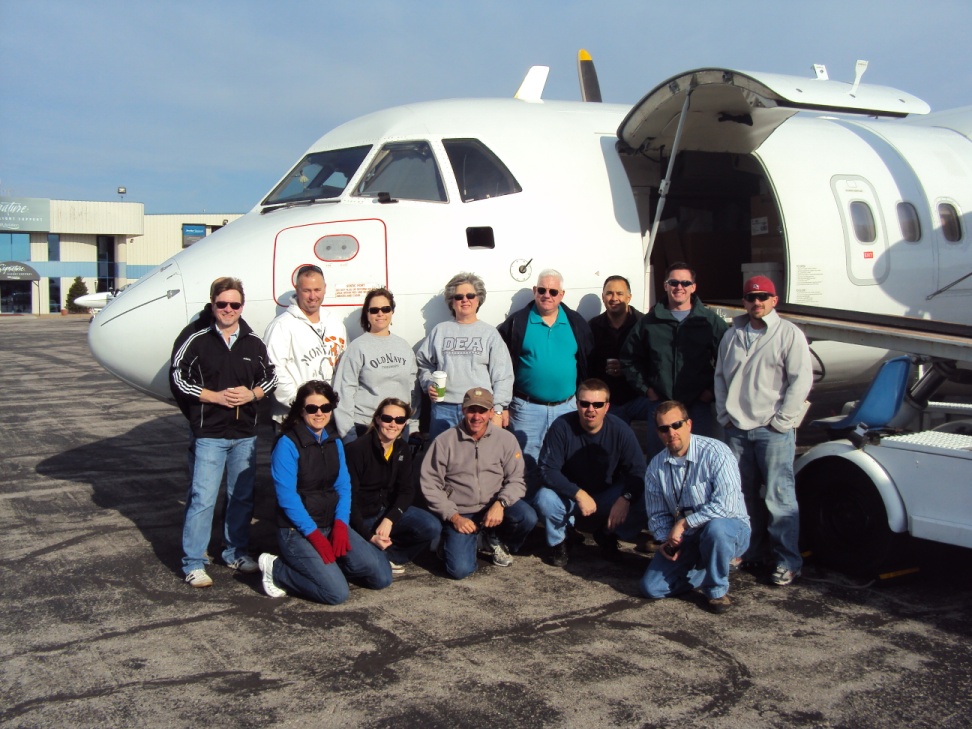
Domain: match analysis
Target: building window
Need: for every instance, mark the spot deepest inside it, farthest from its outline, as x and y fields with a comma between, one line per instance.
x=15, y=247
x=54, y=294
x=951, y=227
x=53, y=247
x=106, y=263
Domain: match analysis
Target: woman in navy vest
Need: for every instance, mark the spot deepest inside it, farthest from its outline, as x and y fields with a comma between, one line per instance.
x=318, y=553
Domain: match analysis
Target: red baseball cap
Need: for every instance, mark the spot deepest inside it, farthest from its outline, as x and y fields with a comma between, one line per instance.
x=759, y=283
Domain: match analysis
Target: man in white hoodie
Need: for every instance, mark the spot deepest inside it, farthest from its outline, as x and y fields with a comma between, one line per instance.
x=763, y=375
x=303, y=343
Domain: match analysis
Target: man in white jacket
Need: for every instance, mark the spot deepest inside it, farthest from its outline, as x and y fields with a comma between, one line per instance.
x=762, y=378
x=303, y=343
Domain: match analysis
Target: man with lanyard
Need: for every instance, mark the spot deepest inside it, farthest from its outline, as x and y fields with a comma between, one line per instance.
x=694, y=499
x=219, y=373
x=303, y=343
x=550, y=345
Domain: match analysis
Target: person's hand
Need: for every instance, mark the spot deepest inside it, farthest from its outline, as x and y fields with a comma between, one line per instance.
x=494, y=515
x=585, y=503
x=319, y=542
x=384, y=529
x=463, y=525
x=497, y=419
x=506, y=419
x=382, y=543
x=651, y=394
x=619, y=512
x=672, y=546
x=339, y=538
x=433, y=393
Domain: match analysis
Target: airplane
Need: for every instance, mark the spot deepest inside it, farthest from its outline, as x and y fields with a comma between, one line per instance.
x=832, y=189
x=97, y=301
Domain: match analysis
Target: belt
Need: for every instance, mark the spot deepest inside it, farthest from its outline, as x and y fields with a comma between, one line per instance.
x=534, y=401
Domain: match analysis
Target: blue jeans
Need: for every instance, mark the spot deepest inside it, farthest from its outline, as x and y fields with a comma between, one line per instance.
x=529, y=423
x=703, y=561
x=460, y=549
x=301, y=571
x=411, y=534
x=444, y=415
x=635, y=409
x=766, y=467
x=556, y=512
x=212, y=456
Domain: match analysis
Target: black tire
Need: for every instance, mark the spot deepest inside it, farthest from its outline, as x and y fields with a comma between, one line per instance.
x=843, y=521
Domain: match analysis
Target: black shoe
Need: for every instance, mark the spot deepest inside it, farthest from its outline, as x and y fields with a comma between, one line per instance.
x=574, y=536
x=608, y=543
x=719, y=605
x=558, y=554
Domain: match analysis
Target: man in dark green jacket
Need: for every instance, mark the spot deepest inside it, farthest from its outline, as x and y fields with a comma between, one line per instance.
x=670, y=353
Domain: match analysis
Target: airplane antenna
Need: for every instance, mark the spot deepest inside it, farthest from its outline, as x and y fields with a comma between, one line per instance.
x=532, y=87
x=821, y=71
x=587, y=75
x=859, y=70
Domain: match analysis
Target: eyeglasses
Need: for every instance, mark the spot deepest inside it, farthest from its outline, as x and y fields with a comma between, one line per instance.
x=584, y=404
x=382, y=309
x=543, y=290
x=234, y=305
x=312, y=409
x=303, y=270
x=757, y=297
x=396, y=419
x=677, y=425
x=674, y=282
x=460, y=297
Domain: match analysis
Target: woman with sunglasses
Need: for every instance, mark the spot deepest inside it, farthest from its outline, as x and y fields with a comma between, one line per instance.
x=470, y=352
x=318, y=553
x=376, y=365
x=382, y=488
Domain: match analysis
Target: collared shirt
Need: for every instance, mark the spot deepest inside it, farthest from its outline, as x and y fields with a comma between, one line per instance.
x=706, y=485
x=232, y=337
x=548, y=360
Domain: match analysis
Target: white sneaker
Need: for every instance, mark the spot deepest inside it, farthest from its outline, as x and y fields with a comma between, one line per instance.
x=199, y=578
x=266, y=567
x=397, y=569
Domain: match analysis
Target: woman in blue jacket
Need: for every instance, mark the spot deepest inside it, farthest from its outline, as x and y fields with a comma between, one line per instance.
x=318, y=553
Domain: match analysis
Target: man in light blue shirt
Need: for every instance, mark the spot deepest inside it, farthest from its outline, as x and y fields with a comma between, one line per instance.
x=695, y=503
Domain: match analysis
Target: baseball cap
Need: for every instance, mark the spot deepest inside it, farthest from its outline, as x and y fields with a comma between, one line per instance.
x=478, y=396
x=759, y=283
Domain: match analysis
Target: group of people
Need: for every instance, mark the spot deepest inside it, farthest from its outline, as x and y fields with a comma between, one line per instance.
x=533, y=424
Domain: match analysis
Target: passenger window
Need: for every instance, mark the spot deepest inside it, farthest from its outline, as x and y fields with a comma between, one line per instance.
x=479, y=173
x=908, y=220
x=406, y=171
x=863, y=222
x=951, y=227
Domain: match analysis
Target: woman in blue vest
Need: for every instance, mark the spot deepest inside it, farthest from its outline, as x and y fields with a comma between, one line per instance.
x=318, y=553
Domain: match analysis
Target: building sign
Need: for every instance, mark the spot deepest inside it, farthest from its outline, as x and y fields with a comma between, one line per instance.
x=192, y=233
x=16, y=271
x=25, y=213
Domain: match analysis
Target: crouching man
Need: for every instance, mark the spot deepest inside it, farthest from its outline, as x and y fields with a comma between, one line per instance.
x=693, y=495
x=472, y=479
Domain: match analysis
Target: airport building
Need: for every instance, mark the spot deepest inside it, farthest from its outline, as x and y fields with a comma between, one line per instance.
x=45, y=244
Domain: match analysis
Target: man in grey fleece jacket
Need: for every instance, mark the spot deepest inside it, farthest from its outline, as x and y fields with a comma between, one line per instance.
x=762, y=378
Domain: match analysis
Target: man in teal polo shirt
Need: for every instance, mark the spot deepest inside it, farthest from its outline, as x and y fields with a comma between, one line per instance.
x=549, y=344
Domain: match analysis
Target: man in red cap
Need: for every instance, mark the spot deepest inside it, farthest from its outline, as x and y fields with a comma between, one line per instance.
x=762, y=378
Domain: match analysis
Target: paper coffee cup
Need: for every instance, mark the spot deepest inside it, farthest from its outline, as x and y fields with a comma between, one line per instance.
x=439, y=380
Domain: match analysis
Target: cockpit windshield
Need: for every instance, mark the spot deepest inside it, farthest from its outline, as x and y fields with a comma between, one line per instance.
x=319, y=176
x=479, y=173
x=405, y=171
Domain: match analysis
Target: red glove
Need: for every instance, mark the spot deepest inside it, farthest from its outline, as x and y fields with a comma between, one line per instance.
x=323, y=547
x=339, y=538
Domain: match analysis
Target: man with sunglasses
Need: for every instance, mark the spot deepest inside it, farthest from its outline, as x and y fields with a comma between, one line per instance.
x=219, y=374
x=695, y=502
x=670, y=353
x=592, y=466
x=762, y=379
x=550, y=345
x=304, y=342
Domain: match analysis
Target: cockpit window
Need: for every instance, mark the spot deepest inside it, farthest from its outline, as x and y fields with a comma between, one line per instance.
x=319, y=176
x=406, y=171
x=479, y=173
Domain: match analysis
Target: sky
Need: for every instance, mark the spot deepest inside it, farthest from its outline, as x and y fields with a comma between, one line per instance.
x=202, y=106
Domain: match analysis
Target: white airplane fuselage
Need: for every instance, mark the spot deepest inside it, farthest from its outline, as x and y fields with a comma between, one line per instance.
x=585, y=209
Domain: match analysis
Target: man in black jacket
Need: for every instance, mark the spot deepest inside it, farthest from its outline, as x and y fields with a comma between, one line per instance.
x=219, y=373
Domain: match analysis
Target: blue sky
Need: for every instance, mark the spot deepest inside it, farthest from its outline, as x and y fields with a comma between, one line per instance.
x=202, y=106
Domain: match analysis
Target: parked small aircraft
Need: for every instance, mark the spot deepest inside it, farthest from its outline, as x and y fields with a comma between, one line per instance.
x=822, y=185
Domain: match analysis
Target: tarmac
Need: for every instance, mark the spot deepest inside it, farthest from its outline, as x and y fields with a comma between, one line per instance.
x=98, y=628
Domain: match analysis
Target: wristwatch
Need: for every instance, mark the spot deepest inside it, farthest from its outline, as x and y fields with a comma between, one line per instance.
x=504, y=503
x=498, y=409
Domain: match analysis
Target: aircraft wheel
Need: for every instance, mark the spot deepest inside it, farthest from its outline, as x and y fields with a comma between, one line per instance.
x=843, y=521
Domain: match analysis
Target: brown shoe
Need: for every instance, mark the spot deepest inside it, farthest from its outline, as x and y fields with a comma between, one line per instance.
x=719, y=605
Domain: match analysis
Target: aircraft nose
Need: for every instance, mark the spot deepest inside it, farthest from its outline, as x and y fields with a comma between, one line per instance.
x=132, y=337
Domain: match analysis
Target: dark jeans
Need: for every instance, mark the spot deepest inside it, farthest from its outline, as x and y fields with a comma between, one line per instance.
x=410, y=535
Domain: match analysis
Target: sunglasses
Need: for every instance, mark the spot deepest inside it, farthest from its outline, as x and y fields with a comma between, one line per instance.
x=584, y=404
x=542, y=290
x=673, y=282
x=396, y=419
x=382, y=309
x=312, y=409
x=460, y=297
x=303, y=270
x=756, y=297
x=673, y=426
x=234, y=305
